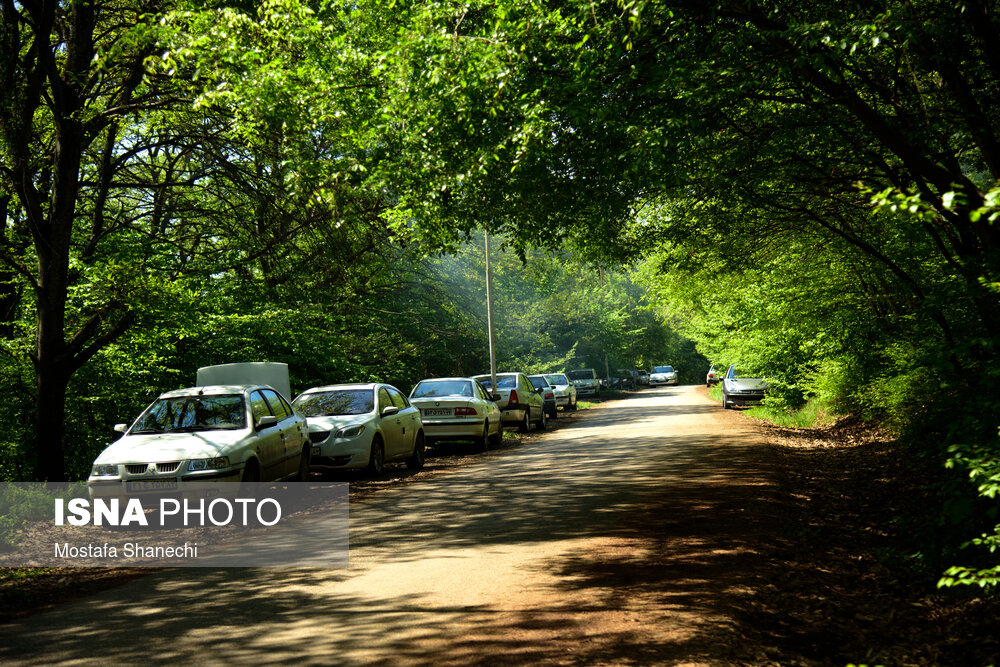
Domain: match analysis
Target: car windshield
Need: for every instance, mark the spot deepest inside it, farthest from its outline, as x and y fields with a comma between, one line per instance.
x=442, y=388
x=557, y=379
x=223, y=412
x=581, y=375
x=663, y=369
x=336, y=402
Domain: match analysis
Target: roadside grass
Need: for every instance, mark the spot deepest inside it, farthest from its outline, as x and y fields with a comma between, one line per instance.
x=12, y=574
x=814, y=413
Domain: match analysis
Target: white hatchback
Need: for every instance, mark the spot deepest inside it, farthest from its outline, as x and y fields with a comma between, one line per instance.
x=457, y=409
x=361, y=426
x=662, y=375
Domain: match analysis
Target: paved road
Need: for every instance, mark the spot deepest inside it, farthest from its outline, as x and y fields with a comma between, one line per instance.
x=616, y=539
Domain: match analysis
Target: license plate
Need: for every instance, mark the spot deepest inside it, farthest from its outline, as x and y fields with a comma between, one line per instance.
x=151, y=485
x=316, y=451
x=437, y=412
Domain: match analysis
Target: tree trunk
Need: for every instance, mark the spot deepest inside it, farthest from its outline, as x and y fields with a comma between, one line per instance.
x=50, y=414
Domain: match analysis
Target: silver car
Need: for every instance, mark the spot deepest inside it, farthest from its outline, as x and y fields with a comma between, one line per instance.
x=520, y=404
x=660, y=375
x=741, y=390
x=226, y=433
x=457, y=409
x=361, y=426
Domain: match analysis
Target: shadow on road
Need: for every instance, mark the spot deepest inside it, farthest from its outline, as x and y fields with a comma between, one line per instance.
x=676, y=519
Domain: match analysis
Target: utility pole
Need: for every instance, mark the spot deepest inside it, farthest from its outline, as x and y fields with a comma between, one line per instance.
x=489, y=318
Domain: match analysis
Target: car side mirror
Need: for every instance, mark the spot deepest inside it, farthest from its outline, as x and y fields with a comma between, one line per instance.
x=266, y=421
x=389, y=410
x=121, y=428
x=494, y=397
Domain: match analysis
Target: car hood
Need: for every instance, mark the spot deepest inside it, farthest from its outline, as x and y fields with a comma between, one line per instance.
x=333, y=422
x=745, y=384
x=153, y=447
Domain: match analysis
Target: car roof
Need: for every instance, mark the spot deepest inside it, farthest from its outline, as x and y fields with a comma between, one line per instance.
x=335, y=387
x=213, y=390
x=446, y=379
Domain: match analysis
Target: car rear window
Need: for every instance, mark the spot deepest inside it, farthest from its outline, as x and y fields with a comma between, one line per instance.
x=581, y=375
x=442, y=388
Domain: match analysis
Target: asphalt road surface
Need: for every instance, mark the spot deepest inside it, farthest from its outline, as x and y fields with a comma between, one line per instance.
x=618, y=538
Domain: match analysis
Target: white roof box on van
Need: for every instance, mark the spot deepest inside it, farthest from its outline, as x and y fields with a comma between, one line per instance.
x=270, y=373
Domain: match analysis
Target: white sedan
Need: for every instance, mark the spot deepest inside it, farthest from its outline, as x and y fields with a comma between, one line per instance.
x=226, y=433
x=361, y=426
x=457, y=409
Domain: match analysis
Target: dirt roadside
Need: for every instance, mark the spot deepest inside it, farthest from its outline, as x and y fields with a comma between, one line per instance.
x=814, y=591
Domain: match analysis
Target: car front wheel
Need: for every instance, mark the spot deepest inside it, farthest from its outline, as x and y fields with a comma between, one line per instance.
x=376, y=459
x=542, y=421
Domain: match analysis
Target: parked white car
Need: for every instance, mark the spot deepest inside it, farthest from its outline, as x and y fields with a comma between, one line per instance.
x=457, y=409
x=660, y=375
x=565, y=390
x=586, y=382
x=519, y=402
x=547, y=392
x=226, y=433
x=361, y=426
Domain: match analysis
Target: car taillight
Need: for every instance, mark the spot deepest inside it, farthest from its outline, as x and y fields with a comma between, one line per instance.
x=513, y=397
x=465, y=412
x=550, y=395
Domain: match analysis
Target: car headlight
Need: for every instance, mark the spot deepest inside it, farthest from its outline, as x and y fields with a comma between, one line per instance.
x=104, y=470
x=209, y=464
x=350, y=431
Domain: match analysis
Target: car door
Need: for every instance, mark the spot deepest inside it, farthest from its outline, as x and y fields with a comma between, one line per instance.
x=288, y=430
x=489, y=406
x=532, y=397
x=268, y=444
x=391, y=425
x=410, y=418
